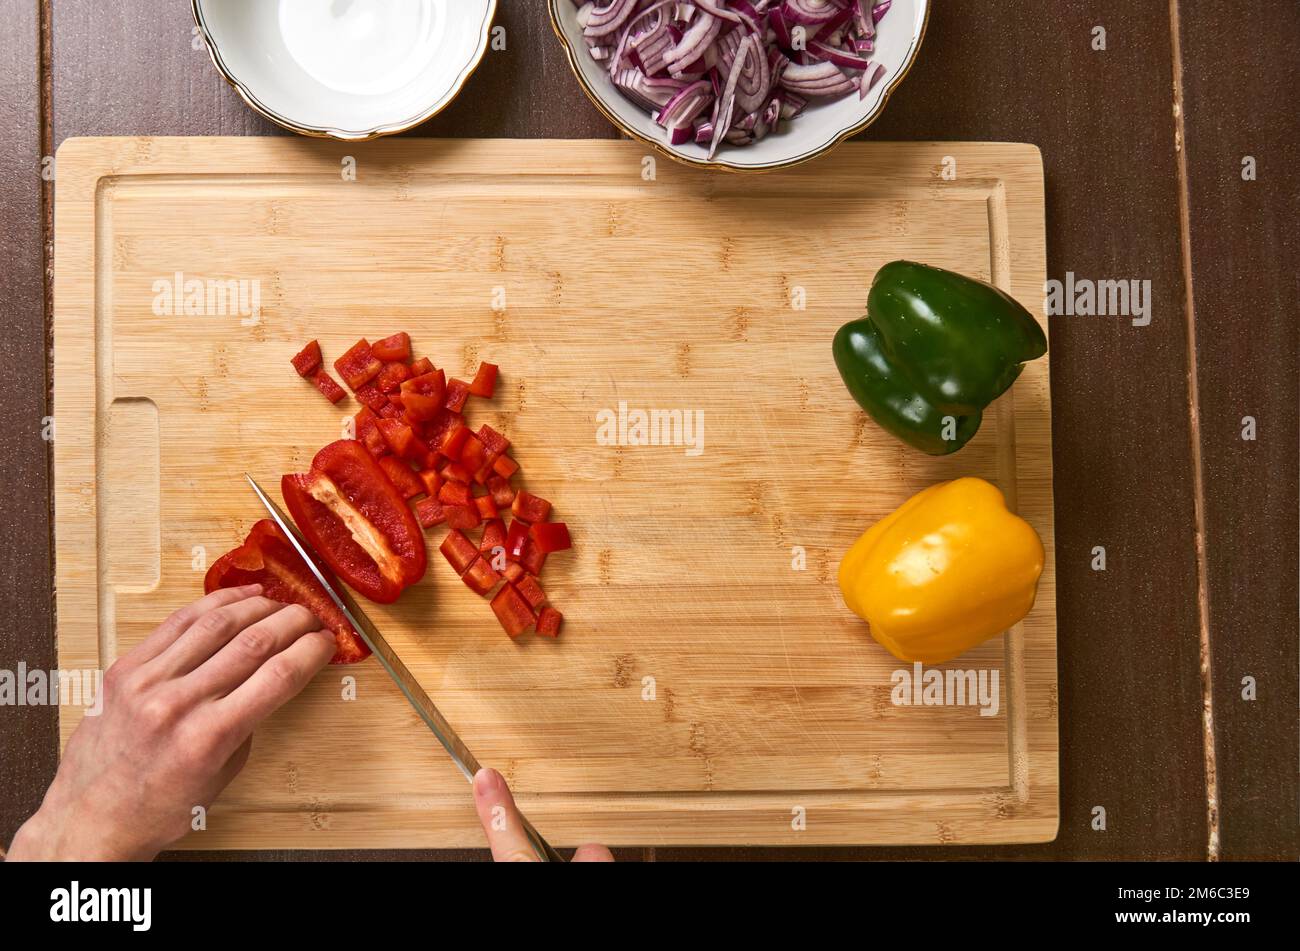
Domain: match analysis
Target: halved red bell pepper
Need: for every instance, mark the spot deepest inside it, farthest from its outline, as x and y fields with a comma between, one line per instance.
x=357, y=520
x=359, y=365
x=485, y=380
x=396, y=347
x=267, y=558
x=308, y=360
x=512, y=610
x=551, y=536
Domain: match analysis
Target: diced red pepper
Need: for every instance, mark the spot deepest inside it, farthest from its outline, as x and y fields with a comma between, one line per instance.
x=548, y=622
x=389, y=411
x=423, y=395
x=392, y=376
x=494, y=536
x=513, y=572
x=551, y=536
x=432, y=482
x=366, y=426
x=505, y=467
x=481, y=577
x=325, y=383
x=529, y=507
x=435, y=431
x=472, y=454
x=308, y=360
x=267, y=558
x=502, y=493
x=429, y=512
x=406, y=481
x=486, y=507
x=455, y=493
x=344, y=490
x=512, y=611
x=463, y=517
x=458, y=550
x=493, y=440
x=485, y=380
x=370, y=396
x=532, y=591
x=359, y=365
x=399, y=436
x=455, y=472
x=516, y=540
x=421, y=366
x=533, y=559
x=454, y=440
x=457, y=393
x=396, y=347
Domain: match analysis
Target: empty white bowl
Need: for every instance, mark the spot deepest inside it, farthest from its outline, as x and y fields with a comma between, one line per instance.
x=349, y=69
x=820, y=127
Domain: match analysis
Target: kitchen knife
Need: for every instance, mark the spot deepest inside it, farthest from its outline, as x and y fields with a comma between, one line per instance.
x=389, y=660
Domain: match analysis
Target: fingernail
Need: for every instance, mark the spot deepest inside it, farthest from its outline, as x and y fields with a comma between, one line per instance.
x=487, y=782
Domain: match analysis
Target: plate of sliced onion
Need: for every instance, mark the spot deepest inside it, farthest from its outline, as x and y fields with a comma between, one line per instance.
x=748, y=85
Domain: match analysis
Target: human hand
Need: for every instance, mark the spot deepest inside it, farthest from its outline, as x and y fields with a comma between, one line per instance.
x=505, y=828
x=176, y=727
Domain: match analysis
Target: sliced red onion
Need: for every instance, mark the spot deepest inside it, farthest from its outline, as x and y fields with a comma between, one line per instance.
x=714, y=71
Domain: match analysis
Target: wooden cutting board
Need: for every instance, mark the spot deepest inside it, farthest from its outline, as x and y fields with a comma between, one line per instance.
x=709, y=685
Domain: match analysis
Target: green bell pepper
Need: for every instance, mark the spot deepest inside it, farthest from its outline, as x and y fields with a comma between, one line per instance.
x=935, y=349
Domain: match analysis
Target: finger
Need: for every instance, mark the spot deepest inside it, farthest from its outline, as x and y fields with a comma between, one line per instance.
x=178, y=621
x=276, y=682
x=248, y=650
x=501, y=820
x=592, y=853
x=212, y=631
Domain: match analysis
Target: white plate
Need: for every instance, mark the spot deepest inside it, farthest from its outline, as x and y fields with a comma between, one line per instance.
x=350, y=69
x=820, y=127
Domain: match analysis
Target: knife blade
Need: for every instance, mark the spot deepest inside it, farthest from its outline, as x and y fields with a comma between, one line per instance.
x=388, y=659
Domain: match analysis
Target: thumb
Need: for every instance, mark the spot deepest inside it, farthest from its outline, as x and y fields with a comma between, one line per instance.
x=500, y=818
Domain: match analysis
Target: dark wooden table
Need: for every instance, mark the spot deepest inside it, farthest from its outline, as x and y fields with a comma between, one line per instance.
x=1143, y=143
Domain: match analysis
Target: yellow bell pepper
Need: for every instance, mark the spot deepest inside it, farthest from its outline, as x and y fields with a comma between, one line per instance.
x=950, y=568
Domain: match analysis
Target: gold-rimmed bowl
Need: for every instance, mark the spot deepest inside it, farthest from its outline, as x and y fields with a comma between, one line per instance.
x=817, y=130
x=347, y=69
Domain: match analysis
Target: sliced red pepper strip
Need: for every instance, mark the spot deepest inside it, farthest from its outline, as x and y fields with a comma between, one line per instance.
x=357, y=520
x=512, y=610
x=267, y=558
x=548, y=622
x=481, y=577
x=325, y=383
x=359, y=365
x=532, y=591
x=308, y=360
x=457, y=394
x=406, y=481
x=429, y=512
x=458, y=550
x=551, y=536
x=392, y=376
x=396, y=347
x=485, y=380
x=529, y=507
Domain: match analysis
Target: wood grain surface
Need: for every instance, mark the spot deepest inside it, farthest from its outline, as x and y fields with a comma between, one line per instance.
x=766, y=696
x=1130, y=702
